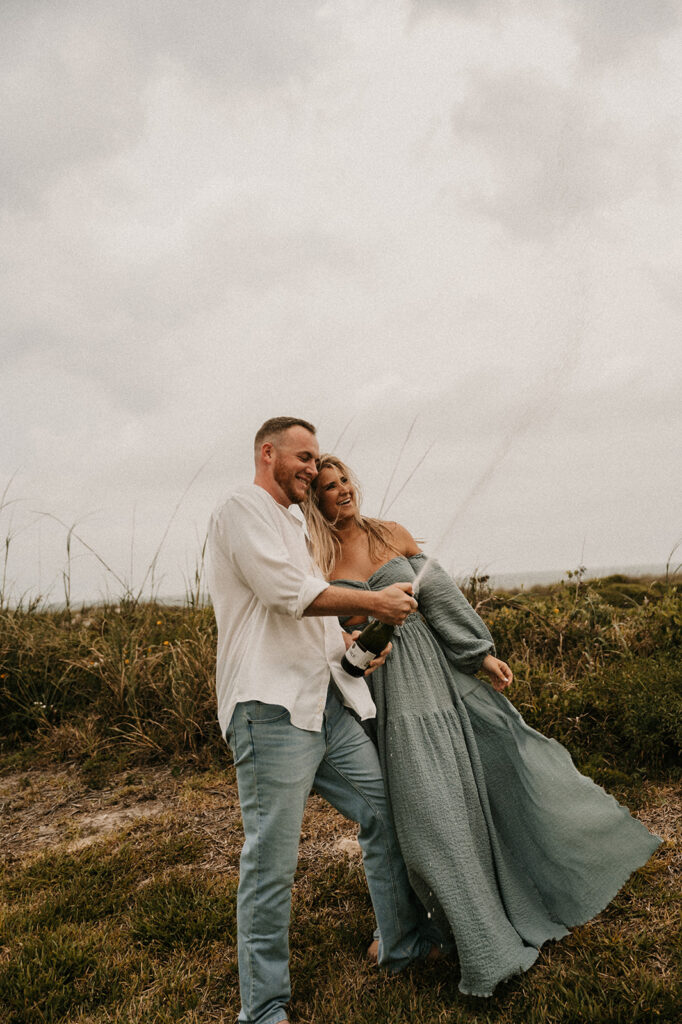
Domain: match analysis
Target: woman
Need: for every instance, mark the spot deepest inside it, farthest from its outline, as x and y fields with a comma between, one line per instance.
x=506, y=844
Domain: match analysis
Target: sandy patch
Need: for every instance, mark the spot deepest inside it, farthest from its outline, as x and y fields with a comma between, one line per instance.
x=42, y=810
x=95, y=825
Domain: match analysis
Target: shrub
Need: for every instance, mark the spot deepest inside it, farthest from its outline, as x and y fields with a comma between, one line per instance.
x=135, y=682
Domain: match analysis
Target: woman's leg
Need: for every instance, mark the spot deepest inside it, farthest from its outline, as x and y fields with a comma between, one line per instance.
x=350, y=778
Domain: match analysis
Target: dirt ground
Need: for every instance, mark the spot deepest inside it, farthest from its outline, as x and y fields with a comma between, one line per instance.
x=47, y=810
x=42, y=810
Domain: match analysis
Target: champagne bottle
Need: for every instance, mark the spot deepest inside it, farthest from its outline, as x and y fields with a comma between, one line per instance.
x=364, y=649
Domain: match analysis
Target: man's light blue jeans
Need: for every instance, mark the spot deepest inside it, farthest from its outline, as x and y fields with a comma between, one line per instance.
x=277, y=766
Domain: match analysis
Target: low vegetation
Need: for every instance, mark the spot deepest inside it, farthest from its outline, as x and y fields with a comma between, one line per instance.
x=596, y=666
x=112, y=709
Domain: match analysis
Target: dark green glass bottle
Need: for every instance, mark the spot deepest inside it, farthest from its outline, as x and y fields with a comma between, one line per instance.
x=364, y=649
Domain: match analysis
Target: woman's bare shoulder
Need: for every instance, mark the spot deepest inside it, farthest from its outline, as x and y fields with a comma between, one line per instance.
x=402, y=539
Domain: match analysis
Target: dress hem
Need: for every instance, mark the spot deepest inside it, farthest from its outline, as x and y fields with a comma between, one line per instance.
x=577, y=924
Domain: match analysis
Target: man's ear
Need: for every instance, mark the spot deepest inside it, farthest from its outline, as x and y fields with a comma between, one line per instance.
x=267, y=451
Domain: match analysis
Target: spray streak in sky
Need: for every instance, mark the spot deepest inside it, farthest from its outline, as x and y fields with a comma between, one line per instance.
x=538, y=406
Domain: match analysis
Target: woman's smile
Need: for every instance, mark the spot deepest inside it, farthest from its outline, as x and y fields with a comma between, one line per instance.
x=335, y=494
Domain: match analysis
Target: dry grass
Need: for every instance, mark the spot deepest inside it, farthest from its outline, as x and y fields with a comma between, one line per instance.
x=597, y=666
x=122, y=900
x=121, y=825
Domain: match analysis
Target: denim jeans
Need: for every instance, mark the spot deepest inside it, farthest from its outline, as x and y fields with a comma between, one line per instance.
x=277, y=766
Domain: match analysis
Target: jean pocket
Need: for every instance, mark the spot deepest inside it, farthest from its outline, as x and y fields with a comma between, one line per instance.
x=258, y=713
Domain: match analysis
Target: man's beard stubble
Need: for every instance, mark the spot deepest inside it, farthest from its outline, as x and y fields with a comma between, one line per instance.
x=284, y=480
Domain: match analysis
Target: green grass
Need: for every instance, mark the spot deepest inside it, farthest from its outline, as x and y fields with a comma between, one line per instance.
x=139, y=926
x=134, y=684
x=125, y=922
x=137, y=929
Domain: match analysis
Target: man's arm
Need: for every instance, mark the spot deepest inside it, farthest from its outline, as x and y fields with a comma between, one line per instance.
x=391, y=605
x=243, y=537
x=248, y=539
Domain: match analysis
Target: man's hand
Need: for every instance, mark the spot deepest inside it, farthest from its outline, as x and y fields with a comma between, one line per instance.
x=498, y=672
x=393, y=604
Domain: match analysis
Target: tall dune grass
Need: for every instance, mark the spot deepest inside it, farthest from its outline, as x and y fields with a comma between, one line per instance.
x=139, y=927
x=596, y=666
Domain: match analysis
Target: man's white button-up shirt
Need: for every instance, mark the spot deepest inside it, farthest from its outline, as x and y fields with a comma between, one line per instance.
x=261, y=578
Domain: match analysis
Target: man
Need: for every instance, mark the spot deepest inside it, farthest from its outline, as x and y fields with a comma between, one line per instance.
x=278, y=642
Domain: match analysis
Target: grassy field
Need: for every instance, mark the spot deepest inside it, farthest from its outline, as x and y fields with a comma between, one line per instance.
x=121, y=827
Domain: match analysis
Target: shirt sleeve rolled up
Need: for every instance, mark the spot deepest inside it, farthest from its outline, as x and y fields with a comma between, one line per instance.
x=260, y=557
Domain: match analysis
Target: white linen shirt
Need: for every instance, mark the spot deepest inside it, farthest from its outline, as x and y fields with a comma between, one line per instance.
x=261, y=578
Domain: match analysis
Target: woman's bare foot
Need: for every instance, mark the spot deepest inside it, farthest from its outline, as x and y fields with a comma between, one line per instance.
x=435, y=953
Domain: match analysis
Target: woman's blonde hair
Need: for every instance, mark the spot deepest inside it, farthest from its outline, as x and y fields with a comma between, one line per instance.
x=325, y=543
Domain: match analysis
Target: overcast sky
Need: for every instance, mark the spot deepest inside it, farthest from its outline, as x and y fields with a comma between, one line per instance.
x=450, y=218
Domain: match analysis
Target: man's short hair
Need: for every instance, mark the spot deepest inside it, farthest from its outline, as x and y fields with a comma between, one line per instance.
x=277, y=425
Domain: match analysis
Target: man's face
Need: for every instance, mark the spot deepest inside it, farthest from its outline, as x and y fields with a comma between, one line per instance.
x=295, y=462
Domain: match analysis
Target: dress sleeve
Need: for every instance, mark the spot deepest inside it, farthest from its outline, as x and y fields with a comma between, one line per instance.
x=463, y=634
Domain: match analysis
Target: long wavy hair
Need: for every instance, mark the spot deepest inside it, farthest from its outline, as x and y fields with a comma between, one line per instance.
x=323, y=536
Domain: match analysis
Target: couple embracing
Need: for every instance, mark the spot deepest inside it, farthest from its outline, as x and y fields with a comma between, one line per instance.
x=478, y=834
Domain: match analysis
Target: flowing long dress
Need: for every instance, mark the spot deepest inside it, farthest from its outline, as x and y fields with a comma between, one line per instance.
x=506, y=843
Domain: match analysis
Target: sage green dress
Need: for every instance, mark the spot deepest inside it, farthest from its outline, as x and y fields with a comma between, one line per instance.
x=506, y=843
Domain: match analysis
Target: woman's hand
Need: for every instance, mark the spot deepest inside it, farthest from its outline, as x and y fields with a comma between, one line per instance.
x=348, y=638
x=380, y=658
x=498, y=672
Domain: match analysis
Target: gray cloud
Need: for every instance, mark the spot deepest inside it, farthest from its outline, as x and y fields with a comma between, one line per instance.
x=553, y=154
x=72, y=94
x=76, y=74
x=466, y=7
x=605, y=32
x=243, y=44
x=610, y=31
x=549, y=160
x=230, y=210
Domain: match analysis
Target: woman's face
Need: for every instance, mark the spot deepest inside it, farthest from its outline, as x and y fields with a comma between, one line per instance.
x=335, y=495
